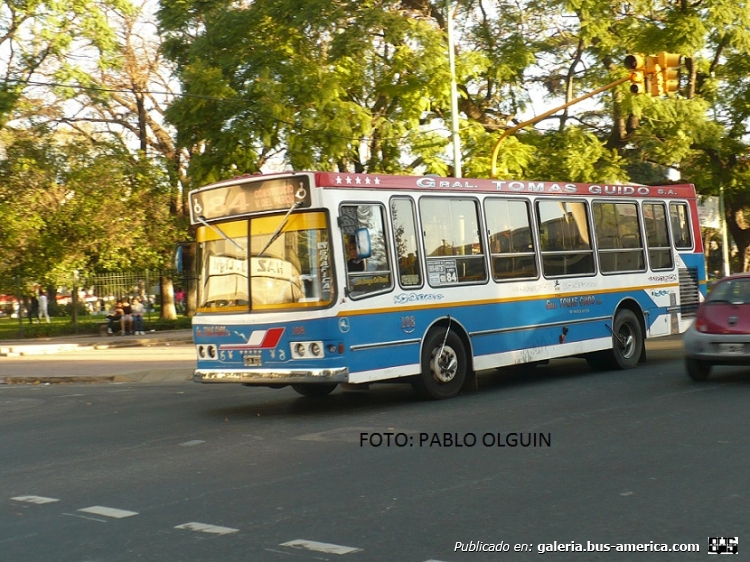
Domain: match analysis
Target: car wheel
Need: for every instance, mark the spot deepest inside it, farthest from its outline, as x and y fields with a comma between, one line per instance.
x=697, y=370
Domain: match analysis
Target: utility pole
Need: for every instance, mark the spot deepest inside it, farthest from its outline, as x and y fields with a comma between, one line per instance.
x=661, y=70
x=456, y=139
x=508, y=132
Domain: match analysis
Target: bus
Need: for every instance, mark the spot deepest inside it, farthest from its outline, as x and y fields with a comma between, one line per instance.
x=320, y=279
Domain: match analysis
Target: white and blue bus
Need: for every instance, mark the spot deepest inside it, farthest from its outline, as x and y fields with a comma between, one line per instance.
x=315, y=279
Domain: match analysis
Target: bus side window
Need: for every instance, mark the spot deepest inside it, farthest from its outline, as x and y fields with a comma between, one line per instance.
x=511, y=244
x=404, y=223
x=657, y=236
x=371, y=274
x=680, y=226
x=618, y=237
x=566, y=241
x=453, y=247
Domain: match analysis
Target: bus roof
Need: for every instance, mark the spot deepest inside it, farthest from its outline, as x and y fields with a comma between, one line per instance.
x=437, y=184
x=337, y=180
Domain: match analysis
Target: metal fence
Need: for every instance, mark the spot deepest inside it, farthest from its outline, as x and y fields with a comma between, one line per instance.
x=93, y=295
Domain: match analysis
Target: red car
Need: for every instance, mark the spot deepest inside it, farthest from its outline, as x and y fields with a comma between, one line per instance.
x=720, y=334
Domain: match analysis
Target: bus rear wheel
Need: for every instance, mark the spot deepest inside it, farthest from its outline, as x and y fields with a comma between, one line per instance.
x=444, y=366
x=314, y=390
x=627, y=344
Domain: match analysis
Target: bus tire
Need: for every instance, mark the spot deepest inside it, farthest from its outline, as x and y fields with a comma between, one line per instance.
x=314, y=390
x=444, y=374
x=627, y=345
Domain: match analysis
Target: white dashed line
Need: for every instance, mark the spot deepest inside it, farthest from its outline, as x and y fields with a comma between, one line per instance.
x=108, y=511
x=35, y=499
x=321, y=547
x=204, y=528
x=191, y=443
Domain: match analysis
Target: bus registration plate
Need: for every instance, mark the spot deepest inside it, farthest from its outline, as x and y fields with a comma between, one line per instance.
x=252, y=361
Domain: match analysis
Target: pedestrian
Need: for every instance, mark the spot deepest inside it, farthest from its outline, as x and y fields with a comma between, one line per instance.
x=43, y=305
x=138, y=324
x=33, y=309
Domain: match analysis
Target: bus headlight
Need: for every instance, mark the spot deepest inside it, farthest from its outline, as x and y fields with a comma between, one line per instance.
x=207, y=351
x=308, y=349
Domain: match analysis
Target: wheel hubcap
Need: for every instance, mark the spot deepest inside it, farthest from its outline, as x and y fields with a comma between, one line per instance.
x=444, y=366
x=627, y=341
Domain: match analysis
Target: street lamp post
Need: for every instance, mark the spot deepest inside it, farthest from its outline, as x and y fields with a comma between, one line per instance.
x=456, y=139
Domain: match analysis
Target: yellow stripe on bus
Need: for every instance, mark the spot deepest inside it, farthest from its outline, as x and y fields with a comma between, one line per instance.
x=434, y=305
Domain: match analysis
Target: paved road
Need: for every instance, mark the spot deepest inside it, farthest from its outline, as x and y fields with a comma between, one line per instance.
x=180, y=471
x=161, y=356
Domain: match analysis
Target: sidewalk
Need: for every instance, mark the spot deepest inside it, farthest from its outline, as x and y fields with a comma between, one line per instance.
x=46, y=346
x=43, y=360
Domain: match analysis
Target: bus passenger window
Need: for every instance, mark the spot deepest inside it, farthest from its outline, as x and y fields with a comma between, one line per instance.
x=404, y=222
x=511, y=245
x=657, y=236
x=618, y=237
x=565, y=239
x=453, y=248
x=680, y=226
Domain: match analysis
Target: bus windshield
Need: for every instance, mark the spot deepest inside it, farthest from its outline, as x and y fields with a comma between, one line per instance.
x=293, y=270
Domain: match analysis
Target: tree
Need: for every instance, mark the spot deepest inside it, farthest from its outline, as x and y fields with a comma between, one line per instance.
x=109, y=86
x=72, y=206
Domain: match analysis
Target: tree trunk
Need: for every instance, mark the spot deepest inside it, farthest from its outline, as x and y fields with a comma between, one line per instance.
x=168, y=311
x=189, y=268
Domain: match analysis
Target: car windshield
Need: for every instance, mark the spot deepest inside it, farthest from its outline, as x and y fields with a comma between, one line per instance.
x=736, y=291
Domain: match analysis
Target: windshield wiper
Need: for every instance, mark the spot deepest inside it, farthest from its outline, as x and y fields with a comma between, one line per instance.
x=220, y=233
x=275, y=235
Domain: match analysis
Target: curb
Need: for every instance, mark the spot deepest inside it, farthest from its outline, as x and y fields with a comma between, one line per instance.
x=26, y=349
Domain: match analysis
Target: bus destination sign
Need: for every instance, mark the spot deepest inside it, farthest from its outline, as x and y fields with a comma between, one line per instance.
x=232, y=199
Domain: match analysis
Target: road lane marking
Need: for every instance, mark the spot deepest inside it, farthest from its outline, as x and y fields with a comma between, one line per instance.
x=108, y=511
x=328, y=548
x=205, y=528
x=39, y=500
x=191, y=443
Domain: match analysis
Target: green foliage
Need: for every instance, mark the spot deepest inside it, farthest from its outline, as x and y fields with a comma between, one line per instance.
x=69, y=205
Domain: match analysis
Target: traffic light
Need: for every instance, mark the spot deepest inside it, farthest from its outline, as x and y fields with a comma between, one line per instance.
x=669, y=64
x=637, y=66
x=656, y=74
x=655, y=79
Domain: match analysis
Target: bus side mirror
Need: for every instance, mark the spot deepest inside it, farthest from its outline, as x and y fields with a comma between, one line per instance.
x=362, y=238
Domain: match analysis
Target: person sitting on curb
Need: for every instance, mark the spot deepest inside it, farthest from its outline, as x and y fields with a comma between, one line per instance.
x=114, y=318
x=126, y=321
x=138, y=324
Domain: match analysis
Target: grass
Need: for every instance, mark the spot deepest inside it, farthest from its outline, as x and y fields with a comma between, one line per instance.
x=64, y=326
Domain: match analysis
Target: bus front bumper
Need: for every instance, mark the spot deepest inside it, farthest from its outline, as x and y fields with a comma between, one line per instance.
x=264, y=377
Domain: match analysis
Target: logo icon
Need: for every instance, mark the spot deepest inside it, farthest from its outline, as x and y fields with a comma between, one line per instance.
x=723, y=545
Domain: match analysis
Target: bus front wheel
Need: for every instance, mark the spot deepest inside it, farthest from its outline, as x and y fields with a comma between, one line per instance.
x=444, y=366
x=314, y=390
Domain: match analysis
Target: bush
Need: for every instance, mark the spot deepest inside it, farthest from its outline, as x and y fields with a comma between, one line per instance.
x=61, y=326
